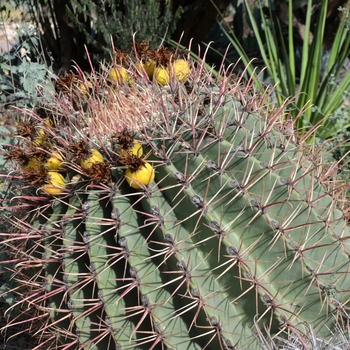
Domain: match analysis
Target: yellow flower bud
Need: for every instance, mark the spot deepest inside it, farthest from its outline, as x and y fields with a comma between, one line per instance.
x=161, y=75
x=85, y=87
x=95, y=157
x=55, y=162
x=119, y=75
x=142, y=176
x=56, y=184
x=180, y=70
x=34, y=164
x=41, y=138
x=135, y=150
x=149, y=67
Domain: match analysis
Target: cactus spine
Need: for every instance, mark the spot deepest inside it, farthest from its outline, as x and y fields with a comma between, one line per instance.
x=236, y=232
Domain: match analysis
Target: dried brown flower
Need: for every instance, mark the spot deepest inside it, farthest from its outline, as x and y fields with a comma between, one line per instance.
x=124, y=139
x=79, y=150
x=34, y=177
x=26, y=128
x=131, y=161
x=18, y=155
x=121, y=58
x=66, y=82
x=99, y=173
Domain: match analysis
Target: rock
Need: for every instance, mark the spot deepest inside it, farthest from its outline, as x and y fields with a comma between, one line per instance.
x=8, y=36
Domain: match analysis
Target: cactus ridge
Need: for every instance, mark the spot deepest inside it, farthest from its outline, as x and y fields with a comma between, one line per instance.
x=237, y=232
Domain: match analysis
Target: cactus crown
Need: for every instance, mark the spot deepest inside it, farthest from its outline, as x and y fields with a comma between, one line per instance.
x=184, y=216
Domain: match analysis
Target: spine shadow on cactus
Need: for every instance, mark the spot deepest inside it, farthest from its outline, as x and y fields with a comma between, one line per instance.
x=236, y=231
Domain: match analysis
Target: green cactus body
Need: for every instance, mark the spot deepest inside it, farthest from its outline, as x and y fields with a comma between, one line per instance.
x=237, y=232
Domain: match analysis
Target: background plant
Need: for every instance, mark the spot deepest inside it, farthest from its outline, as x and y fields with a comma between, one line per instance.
x=315, y=73
x=265, y=34
x=66, y=26
x=24, y=71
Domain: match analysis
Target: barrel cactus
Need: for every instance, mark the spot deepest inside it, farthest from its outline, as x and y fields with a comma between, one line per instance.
x=185, y=215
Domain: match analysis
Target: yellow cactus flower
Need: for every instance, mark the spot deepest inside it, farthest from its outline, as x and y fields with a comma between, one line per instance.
x=56, y=184
x=34, y=164
x=161, y=75
x=48, y=122
x=119, y=75
x=142, y=176
x=146, y=67
x=95, y=157
x=149, y=66
x=55, y=162
x=41, y=138
x=85, y=87
x=135, y=150
x=181, y=70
